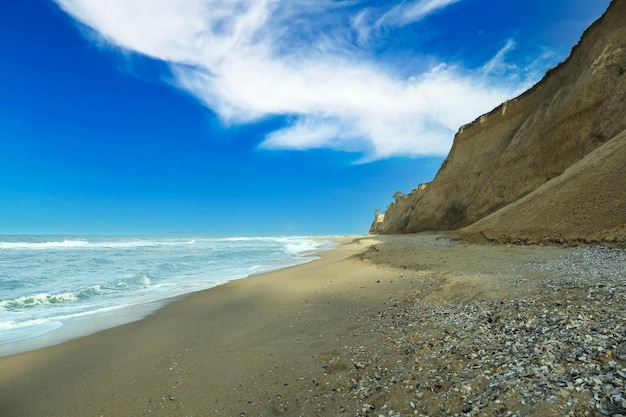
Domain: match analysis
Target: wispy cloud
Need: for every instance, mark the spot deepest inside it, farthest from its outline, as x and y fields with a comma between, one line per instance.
x=497, y=64
x=252, y=59
x=409, y=12
x=371, y=22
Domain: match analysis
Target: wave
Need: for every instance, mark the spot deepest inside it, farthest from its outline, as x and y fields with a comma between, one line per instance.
x=291, y=245
x=307, y=246
x=44, y=245
x=128, y=283
x=84, y=244
x=139, y=280
x=301, y=247
x=250, y=239
x=45, y=299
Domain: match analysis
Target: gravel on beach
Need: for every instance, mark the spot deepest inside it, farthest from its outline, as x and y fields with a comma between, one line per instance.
x=541, y=347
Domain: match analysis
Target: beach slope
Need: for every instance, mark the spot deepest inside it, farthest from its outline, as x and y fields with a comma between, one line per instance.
x=412, y=324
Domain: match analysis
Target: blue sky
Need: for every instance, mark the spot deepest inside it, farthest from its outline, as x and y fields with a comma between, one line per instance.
x=244, y=117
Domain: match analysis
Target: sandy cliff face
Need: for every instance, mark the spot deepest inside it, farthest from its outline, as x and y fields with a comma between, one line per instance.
x=532, y=140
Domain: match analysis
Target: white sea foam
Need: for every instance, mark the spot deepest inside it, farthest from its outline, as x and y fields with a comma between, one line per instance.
x=44, y=245
x=35, y=300
x=303, y=246
x=45, y=299
x=73, y=244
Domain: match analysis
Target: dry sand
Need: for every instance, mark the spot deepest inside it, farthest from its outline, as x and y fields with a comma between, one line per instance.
x=317, y=339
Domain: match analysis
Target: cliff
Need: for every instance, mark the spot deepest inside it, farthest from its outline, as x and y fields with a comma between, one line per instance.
x=536, y=157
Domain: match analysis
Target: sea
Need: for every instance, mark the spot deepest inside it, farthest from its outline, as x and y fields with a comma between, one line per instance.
x=55, y=288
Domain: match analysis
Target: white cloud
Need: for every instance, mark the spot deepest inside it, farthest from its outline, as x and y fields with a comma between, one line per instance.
x=251, y=59
x=409, y=12
x=371, y=22
x=497, y=64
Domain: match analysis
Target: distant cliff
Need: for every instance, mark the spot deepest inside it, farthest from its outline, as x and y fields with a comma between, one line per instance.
x=532, y=168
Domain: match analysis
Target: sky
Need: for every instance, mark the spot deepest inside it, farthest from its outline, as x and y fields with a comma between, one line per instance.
x=250, y=117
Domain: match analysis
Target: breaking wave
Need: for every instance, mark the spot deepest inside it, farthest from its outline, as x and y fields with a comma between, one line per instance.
x=79, y=244
x=45, y=299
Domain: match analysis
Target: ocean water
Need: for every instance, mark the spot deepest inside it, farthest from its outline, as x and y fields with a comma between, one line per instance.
x=47, y=282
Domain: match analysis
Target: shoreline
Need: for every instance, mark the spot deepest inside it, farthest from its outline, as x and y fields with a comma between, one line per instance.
x=89, y=323
x=64, y=329
x=68, y=360
x=380, y=324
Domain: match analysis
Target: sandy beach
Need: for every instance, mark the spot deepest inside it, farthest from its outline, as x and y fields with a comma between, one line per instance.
x=385, y=325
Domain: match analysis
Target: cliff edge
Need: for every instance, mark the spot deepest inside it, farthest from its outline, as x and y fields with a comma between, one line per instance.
x=548, y=165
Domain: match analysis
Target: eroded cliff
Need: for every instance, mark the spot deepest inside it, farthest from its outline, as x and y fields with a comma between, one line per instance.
x=530, y=141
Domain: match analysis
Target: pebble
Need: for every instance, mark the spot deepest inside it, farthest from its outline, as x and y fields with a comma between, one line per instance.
x=563, y=346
